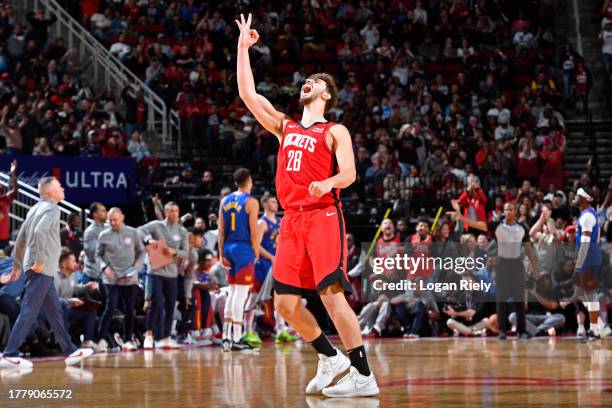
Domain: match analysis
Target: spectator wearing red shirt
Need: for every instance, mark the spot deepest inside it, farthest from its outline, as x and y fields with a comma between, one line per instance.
x=482, y=156
x=474, y=201
x=527, y=161
x=5, y=204
x=553, y=170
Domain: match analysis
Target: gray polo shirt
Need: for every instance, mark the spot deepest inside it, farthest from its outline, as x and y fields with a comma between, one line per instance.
x=67, y=286
x=90, y=241
x=187, y=270
x=38, y=241
x=121, y=250
x=175, y=236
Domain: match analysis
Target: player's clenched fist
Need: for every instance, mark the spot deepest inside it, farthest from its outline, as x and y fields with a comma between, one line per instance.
x=320, y=188
x=248, y=37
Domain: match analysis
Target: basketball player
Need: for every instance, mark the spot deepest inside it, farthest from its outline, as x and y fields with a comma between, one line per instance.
x=238, y=247
x=37, y=250
x=588, y=264
x=315, y=160
x=269, y=228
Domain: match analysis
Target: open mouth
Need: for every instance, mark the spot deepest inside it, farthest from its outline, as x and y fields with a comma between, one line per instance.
x=306, y=89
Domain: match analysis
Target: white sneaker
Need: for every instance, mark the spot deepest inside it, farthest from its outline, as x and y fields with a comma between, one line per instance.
x=207, y=333
x=605, y=332
x=327, y=370
x=353, y=385
x=78, y=356
x=102, y=346
x=149, y=343
x=92, y=345
x=118, y=339
x=172, y=344
x=128, y=346
x=167, y=344
x=15, y=362
x=581, y=332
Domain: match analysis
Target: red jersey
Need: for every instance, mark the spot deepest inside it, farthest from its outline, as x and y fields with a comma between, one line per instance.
x=5, y=229
x=304, y=157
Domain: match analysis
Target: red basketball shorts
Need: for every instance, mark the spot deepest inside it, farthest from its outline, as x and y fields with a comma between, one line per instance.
x=311, y=253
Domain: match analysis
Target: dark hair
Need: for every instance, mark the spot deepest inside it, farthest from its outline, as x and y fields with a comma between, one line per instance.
x=93, y=208
x=73, y=215
x=203, y=253
x=331, y=88
x=425, y=220
x=264, y=198
x=66, y=252
x=197, y=231
x=241, y=176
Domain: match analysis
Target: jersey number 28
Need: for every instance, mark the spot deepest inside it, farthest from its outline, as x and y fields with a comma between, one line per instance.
x=295, y=160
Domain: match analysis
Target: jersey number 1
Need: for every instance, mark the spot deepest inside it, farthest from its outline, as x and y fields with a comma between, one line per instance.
x=295, y=160
x=233, y=217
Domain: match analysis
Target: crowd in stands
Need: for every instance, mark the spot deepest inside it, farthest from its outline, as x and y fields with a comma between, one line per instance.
x=432, y=91
x=49, y=107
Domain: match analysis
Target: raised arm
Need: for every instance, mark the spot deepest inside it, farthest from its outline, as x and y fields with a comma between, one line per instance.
x=15, y=186
x=271, y=119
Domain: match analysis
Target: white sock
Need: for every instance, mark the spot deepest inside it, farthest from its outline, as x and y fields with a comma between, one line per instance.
x=241, y=293
x=227, y=330
x=236, y=332
x=581, y=327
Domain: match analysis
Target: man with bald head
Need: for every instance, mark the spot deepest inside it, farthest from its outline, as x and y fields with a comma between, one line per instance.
x=37, y=252
x=121, y=254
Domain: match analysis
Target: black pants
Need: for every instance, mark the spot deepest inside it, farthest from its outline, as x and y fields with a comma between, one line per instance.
x=128, y=295
x=510, y=289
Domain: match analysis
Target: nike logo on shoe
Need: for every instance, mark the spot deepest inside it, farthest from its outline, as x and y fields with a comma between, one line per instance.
x=329, y=215
x=12, y=362
x=360, y=385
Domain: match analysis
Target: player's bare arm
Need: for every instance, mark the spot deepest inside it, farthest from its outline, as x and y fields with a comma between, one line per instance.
x=221, y=234
x=263, y=229
x=271, y=119
x=252, y=208
x=340, y=143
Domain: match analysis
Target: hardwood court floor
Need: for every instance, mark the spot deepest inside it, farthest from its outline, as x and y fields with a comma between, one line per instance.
x=425, y=373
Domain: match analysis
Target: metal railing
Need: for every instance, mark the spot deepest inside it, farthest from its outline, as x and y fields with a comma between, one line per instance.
x=106, y=70
x=27, y=196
